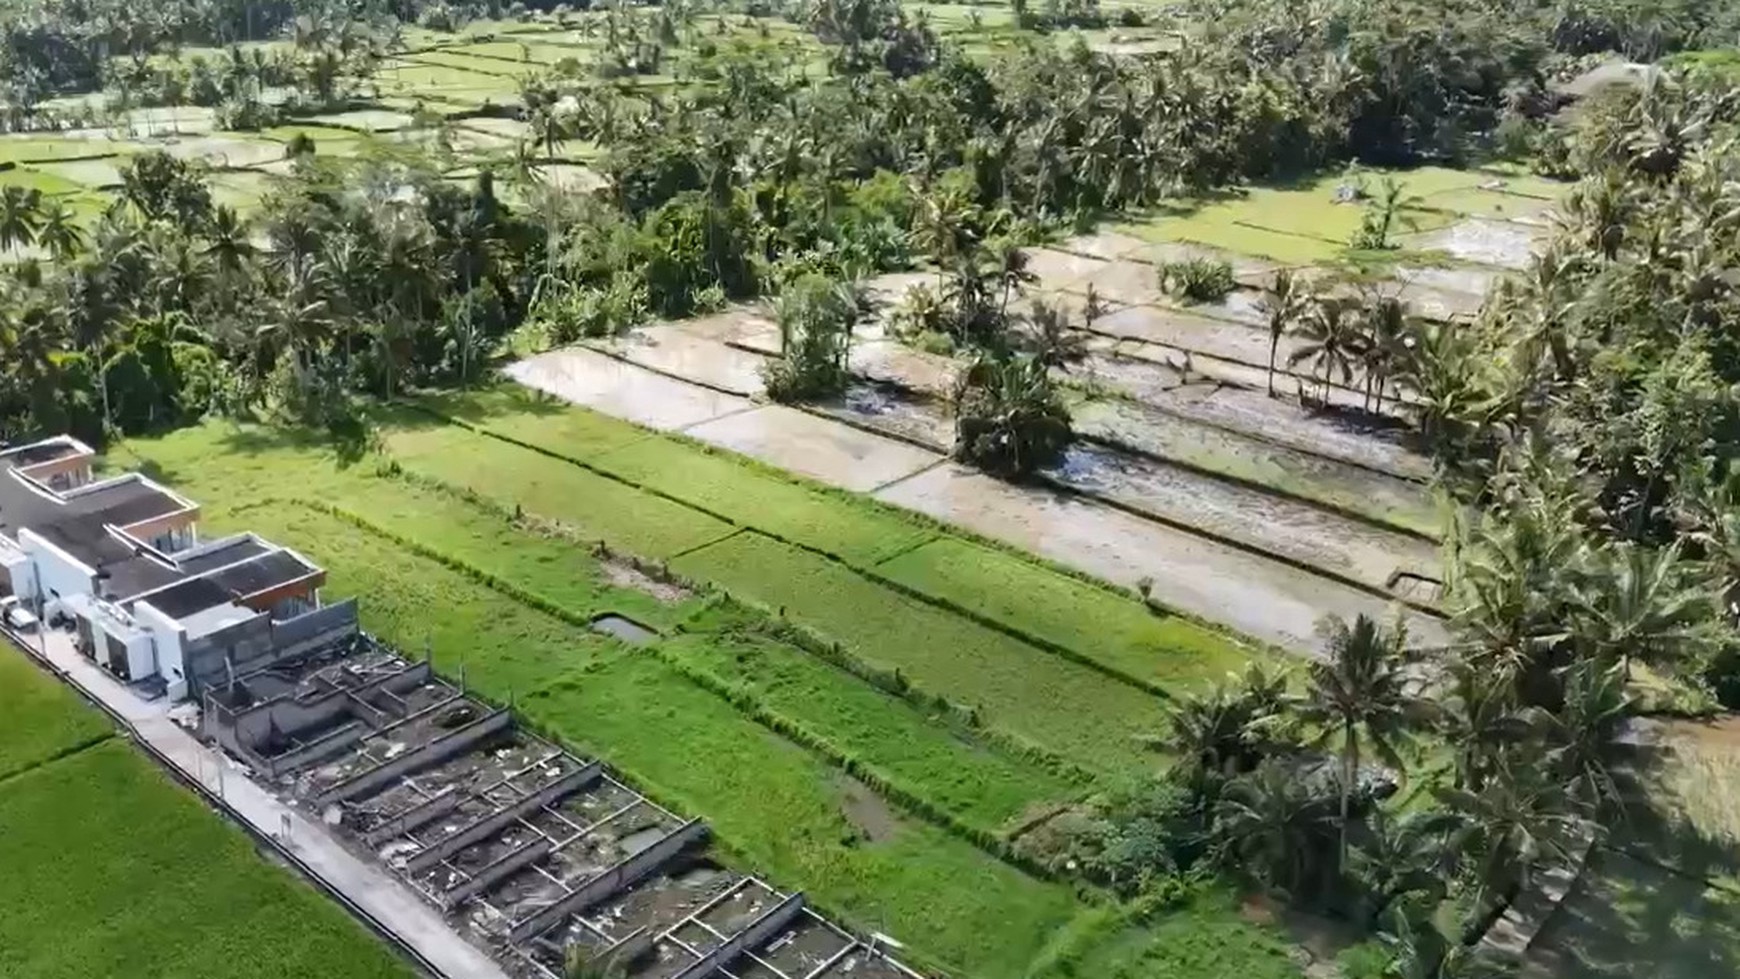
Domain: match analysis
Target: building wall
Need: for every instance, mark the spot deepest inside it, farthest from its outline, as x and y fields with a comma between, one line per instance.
x=59, y=573
x=170, y=640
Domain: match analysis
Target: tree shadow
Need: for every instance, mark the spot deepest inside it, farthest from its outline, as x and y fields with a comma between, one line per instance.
x=1658, y=898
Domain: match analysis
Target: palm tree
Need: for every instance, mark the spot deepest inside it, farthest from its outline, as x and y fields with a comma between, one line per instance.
x=1328, y=341
x=1384, y=324
x=1360, y=696
x=1582, y=737
x=1279, y=826
x=1505, y=832
x=1479, y=720
x=1284, y=302
x=20, y=216
x=1642, y=605
x=60, y=232
x=1397, y=857
x=1420, y=950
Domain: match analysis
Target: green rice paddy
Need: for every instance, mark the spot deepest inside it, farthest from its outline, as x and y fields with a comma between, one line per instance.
x=111, y=870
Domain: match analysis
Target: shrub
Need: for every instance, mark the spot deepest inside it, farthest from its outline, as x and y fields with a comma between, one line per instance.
x=816, y=316
x=1009, y=419
x=1199, y=280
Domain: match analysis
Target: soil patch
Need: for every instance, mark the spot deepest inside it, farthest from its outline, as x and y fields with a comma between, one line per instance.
x=625, y=575
x=866, y=811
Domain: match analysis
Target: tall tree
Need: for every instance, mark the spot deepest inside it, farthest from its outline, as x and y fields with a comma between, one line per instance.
x=1360, y=694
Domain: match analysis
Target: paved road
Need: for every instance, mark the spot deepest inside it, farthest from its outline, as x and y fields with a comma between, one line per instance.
x=368, y=885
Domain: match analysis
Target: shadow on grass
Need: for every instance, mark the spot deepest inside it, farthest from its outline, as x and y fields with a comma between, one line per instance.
x=1658, y=899
x=479, y=406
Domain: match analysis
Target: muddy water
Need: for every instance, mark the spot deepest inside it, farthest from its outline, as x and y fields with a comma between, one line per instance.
x=673, y=350
x=891, y=362
x=1194, y=332
x=1262, y=598
x=1400, y=502
x=1125, y=282
x=895, y=412
x=1501, y=243
x=1469, y=280
x=1252, y=412
x=820, y=448
x=1287, y=528
x=587, y=377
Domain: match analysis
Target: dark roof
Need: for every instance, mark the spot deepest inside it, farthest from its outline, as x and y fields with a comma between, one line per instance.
x=239, y=549
x=261, y=573
x=228, y=585
x=121, y=580
x=30, y=455
x=190, y=596
x=78, y=525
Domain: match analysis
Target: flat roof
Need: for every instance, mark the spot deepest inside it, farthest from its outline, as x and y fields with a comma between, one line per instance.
x=78, y=521
x=228, y=585
x=221, y=553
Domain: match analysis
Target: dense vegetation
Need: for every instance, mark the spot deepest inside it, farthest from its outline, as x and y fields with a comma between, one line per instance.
x=1589, y=419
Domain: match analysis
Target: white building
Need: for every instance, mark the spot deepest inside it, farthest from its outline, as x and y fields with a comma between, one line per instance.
x=119, y=561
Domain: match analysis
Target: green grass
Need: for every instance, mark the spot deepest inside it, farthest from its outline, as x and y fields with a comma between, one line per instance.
x=1628, y=918
x=112, y=870
x=1205, y=937
x=505, y=648
x=1092, y=719
x=975, y=784
x=1119, y=632
x=770, y=800
x=780, y=808
x=593, y=506
x=40, y=718
x=713, y=481
x=724, y=484
x=541, y=562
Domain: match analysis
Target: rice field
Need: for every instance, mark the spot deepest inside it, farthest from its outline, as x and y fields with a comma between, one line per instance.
x=111, y=869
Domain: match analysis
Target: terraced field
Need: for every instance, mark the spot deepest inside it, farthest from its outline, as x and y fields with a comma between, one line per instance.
x=858, y=717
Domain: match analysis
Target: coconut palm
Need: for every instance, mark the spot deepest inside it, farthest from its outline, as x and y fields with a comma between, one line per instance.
x=1583, y=737
x=1280, y=826
x=1642, y=604
x=1328, y=341
x=1479, y=720
x=1396, y=857
x=1506, y=832
x=59, y=232
x=20, y=216
x=1284, y=301
x=1360, y=696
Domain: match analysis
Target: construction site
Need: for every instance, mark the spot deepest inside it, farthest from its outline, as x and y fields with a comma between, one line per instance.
x=543, y=859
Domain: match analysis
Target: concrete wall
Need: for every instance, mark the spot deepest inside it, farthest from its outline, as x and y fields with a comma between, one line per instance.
x=757, y=932
x=170, y=639
x=260, y=642
x=254, y=725
x=621, y=876
x=434, y=753
x=488, y=825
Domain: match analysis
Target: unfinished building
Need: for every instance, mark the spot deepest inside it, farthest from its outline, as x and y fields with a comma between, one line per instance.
x=534, y=854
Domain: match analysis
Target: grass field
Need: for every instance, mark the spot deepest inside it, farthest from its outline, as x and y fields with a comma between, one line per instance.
x=770, y=800
x=1171, y=652
x=942, y=653
x=877, y=807
x=112, y=870
x=40, y=719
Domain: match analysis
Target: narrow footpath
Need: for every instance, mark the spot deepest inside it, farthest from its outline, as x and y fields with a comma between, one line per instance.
x=392, y=906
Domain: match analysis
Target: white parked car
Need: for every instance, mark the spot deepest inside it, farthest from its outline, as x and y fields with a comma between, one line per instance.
x=13, y=612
